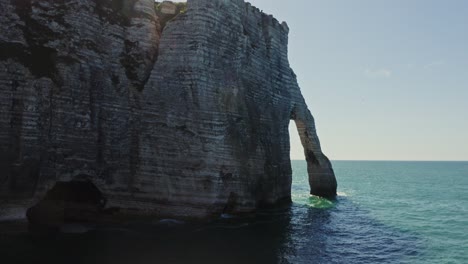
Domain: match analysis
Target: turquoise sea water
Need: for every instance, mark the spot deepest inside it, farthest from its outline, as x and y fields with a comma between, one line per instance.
x=396, y=212
x=386, y=212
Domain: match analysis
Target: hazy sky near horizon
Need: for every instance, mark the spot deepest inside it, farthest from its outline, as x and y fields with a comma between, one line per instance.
x=384, y=79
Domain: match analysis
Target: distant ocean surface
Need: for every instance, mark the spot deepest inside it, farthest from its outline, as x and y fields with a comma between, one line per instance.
x=386, y=212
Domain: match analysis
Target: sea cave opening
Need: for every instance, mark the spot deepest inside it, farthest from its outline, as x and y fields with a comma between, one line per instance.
x=68, y=202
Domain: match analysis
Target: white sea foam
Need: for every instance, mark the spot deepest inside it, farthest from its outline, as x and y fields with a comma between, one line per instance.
x=171, y=222
x=342, y=194
x=227, y=216
x=74, y=229
x=12, y=214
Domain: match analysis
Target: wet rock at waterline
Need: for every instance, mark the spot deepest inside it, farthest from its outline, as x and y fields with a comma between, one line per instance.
x=185, y=120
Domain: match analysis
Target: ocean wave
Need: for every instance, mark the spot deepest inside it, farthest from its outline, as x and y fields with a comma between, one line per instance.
x=342, y=194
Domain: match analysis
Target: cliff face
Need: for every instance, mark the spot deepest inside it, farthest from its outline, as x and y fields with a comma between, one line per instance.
x=189, y=120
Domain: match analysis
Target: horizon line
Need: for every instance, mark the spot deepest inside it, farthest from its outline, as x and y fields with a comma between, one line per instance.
x=391, y=160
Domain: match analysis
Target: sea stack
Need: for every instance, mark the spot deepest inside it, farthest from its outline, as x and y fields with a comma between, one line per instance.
x=105, y=111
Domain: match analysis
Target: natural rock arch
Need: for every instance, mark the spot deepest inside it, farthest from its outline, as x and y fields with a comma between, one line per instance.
x=182, y=123
x=322, y=180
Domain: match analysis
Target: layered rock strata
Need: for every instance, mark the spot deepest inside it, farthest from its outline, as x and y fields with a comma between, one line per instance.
x=189, y=120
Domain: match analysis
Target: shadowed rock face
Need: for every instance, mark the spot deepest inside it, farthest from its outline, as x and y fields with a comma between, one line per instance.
x=186, y=122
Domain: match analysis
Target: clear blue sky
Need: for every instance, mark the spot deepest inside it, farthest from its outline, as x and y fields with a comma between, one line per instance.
x=385, y=79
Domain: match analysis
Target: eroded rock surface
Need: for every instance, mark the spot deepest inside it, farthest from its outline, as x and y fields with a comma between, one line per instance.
x=189, y=121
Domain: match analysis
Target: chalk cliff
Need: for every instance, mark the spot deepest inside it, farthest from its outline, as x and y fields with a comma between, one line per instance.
x=189, y=120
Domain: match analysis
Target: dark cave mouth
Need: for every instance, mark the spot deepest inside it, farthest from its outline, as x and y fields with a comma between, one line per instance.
x=68, y=202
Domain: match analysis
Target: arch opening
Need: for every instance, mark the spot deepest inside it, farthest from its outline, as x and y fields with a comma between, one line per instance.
x=68, y=202
x=296, y=150
x=299, y=175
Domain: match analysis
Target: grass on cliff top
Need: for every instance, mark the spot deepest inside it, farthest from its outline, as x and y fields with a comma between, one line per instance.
x=164, y=18
x=180, y=7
